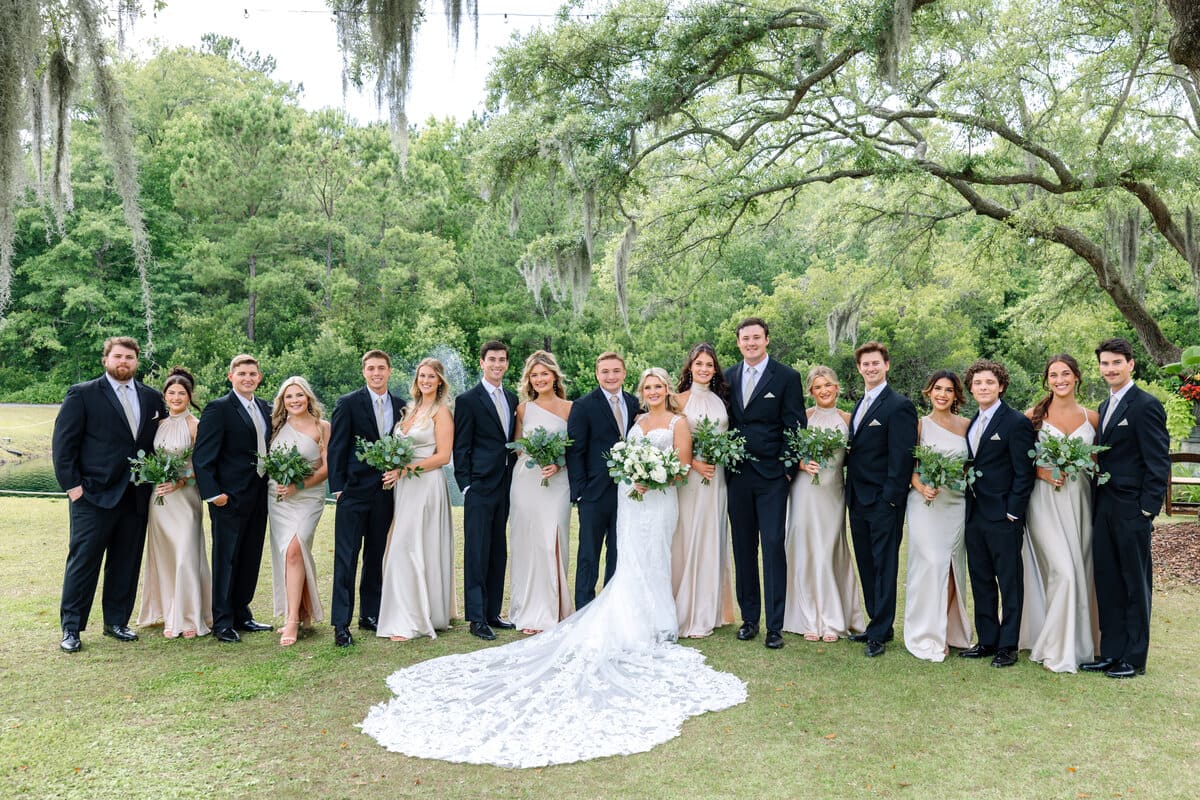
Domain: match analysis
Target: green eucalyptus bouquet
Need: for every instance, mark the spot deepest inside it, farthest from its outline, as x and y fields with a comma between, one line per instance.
x=1068, y=457
x=937, y=470
x=287, y=467
x=388, y=452
x=543, y=448
x=723, y=449
x=802, y=445
x=161, y=466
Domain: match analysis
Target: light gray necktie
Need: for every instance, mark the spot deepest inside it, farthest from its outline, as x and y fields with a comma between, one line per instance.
x=614, y=404
x=862, y=412
x=501, y=409
x=123, y=393
x=259, y=443
x=748, y=384
x=977, y=432
x=1108, y=413
x=380, y=419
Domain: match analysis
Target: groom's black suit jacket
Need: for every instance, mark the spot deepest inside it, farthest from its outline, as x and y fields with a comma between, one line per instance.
x=354, y=416
x=1138, y=460
x=777, y=405
x=481, y=460
x=225, y=457
x=1006, y=472
x=879, y=460
x=593, y=431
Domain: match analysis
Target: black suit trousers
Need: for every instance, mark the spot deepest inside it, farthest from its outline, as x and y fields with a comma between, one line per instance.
x=758, y=513
x=115, y=536
x=876, y=530
x=1121, y=553
x=361, y=523
x=597, y=527
x=997, y=579
x=485, y=553
x=238, y=530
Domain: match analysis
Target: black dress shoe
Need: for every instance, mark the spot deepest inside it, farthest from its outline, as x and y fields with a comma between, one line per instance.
x=1123, y=669
x=483, y=631
x=253, y=626
x=1005, y=657
x=341, y=636
x=875, y=648
x=1099, y=665
x=368, y=623
x=857, y=637
x=227, y=635
x=70, y=641
x=122, y=633
x=774, y=640
x=748, y=631
x=978, y=651
x=496, y=622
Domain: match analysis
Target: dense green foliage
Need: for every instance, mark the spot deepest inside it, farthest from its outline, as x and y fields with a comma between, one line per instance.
x=646, y=181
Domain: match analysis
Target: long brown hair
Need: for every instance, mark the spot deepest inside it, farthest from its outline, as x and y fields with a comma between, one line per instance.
x=547, y=360
x=717, y=385
x=441, y=396
x=1042, y=407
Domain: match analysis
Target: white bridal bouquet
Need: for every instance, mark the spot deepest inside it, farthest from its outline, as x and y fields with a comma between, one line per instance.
x=634, y=463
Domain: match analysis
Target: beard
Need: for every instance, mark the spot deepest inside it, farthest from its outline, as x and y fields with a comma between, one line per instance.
x=121, y=372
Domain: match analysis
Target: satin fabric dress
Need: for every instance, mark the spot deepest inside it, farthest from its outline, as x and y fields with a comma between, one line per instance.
x=296, y=517
x=701, y=568
x=176, y=579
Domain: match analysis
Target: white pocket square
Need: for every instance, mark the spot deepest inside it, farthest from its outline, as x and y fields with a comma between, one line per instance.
x=768, y=394
x=995, y=437
x=873, y=423
x=1123, y=422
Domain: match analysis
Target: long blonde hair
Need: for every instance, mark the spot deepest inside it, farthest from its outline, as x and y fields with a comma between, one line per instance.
x=547, y=360
x=672, y=403
x=440, y=398
x=279, y=414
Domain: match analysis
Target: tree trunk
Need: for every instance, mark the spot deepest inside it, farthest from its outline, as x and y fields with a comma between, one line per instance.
x=1184, y=46
x=251, y=299
x=328, y=270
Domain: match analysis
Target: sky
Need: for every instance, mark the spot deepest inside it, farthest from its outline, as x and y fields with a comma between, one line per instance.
x=302, y=37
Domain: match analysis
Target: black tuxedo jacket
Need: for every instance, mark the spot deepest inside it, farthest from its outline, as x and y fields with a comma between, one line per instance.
x=593, y=431
x=92, y=443
x=879, y=460
x=354, y=416
x=777, y=405
x=1006, y=472
x=1138, y=460
x=481, y=461
x=225, y=457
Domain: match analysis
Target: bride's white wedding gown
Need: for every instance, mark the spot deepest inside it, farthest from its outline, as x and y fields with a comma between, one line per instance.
x=608, y=680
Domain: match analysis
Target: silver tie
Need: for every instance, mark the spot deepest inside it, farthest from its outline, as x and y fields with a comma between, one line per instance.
x=614, y=404
x=260, y=446
x=976, y=433
x=380, y=419
x=1108, y=413
x=862, y=412
x=748, y=385
x=501, y=409
x=123, y=393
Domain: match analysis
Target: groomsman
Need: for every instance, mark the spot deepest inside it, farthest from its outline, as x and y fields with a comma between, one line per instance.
x=768, y=398
x=101, y=425
x=231, y=441
x=364, y=507
x=998, y=441
x=1134, y=428
x=484, y=419
x=597, y=421
x=883, y=433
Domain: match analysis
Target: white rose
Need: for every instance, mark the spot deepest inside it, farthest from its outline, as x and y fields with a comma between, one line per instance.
x=658, y=475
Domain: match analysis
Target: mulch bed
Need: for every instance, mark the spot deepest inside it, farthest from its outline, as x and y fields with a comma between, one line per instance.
x=1175, y=550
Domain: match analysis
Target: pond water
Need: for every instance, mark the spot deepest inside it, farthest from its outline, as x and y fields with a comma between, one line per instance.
x=37, y=475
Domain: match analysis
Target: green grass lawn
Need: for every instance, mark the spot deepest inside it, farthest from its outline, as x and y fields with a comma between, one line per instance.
x=160, y=719
x=26, y=429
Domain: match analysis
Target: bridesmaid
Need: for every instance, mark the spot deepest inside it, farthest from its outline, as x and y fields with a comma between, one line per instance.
x=418, y=565
x=540, y=516
x=935, y=604
x=177, y=583
x=822, y=590
x=701, y=577
x=294, y=511
x=1058, y=621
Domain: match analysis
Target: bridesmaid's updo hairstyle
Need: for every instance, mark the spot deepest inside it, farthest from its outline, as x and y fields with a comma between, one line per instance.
x=279, y=412
x=440, y=398
x=547, y=360
x=820, y=371
x=717, y=385
x=178, y=376
x=672, y=403
x=1042, y=407
x=960, y=395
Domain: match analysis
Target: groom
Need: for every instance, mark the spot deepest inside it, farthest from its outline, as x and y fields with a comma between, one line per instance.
x=768, y=398
x=596, y=422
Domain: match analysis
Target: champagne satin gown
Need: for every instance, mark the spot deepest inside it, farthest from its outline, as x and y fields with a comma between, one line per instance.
x=418, y=564
x=701, y=572
x=822, y=588
x=296, y=517
x=177, y=581
x=539, y=519
x=937, y=553
x=1058, y=618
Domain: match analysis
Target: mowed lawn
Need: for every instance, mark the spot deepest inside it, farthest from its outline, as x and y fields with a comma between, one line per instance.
x=161, y=719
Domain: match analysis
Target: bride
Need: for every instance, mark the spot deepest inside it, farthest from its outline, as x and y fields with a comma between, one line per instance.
x=608, y=680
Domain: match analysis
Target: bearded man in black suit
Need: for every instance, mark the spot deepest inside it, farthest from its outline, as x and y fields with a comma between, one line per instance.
x=101, y=425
